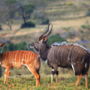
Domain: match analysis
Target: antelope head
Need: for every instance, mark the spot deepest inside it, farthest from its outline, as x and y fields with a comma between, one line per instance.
x=42, y=41
x=41, y=45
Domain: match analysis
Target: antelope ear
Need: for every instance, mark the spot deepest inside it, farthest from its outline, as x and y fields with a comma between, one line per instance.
x=45, y=38
x=2, y=44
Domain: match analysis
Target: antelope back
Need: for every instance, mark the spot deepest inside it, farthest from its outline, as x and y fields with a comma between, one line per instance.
x=18, y=58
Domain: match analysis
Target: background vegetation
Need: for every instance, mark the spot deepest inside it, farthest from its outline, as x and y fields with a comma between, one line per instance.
x=23, y=21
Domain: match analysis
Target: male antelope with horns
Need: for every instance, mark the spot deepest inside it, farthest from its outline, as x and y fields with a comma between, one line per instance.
x=18, y=58
x=67, y=56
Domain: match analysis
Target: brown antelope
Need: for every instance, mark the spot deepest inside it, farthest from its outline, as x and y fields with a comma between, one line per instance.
x=18, y=58
x=67, y=55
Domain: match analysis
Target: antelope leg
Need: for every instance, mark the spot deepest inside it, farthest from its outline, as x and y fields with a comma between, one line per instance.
x=78, y=79
x=6, y=75
x=86, y=80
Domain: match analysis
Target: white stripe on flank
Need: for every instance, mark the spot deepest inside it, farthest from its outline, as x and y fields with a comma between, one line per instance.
x=22, y=58
x=73, y=68
x=15, y=58
x=85, y=65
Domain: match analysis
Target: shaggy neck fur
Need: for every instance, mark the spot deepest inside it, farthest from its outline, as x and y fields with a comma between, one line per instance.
x=44, y=51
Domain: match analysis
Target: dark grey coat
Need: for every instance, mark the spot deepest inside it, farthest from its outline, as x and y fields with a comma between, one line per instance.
x=69, y=56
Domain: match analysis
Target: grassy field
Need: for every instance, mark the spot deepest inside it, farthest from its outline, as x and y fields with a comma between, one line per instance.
x=22, y=79
x=69, y=9
x=65, y=82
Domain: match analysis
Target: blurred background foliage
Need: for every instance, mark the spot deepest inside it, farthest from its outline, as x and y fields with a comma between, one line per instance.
x=23, y=21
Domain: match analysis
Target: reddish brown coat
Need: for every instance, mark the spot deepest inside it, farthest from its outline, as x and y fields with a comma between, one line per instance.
x=16, y=59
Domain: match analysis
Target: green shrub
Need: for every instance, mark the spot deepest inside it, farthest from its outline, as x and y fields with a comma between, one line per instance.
x=86, y=26
x=88, y=13
x=45, y=21
x=21, y=46
x=55, y=38
x=18, y=46
x=28, y=25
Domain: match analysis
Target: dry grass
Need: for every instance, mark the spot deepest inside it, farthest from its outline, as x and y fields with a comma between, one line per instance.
x=71, y=23
x=31, y=34
x=65, y=82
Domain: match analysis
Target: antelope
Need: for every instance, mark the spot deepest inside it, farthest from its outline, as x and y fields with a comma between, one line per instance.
x=72, y=56
x=11, y=59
